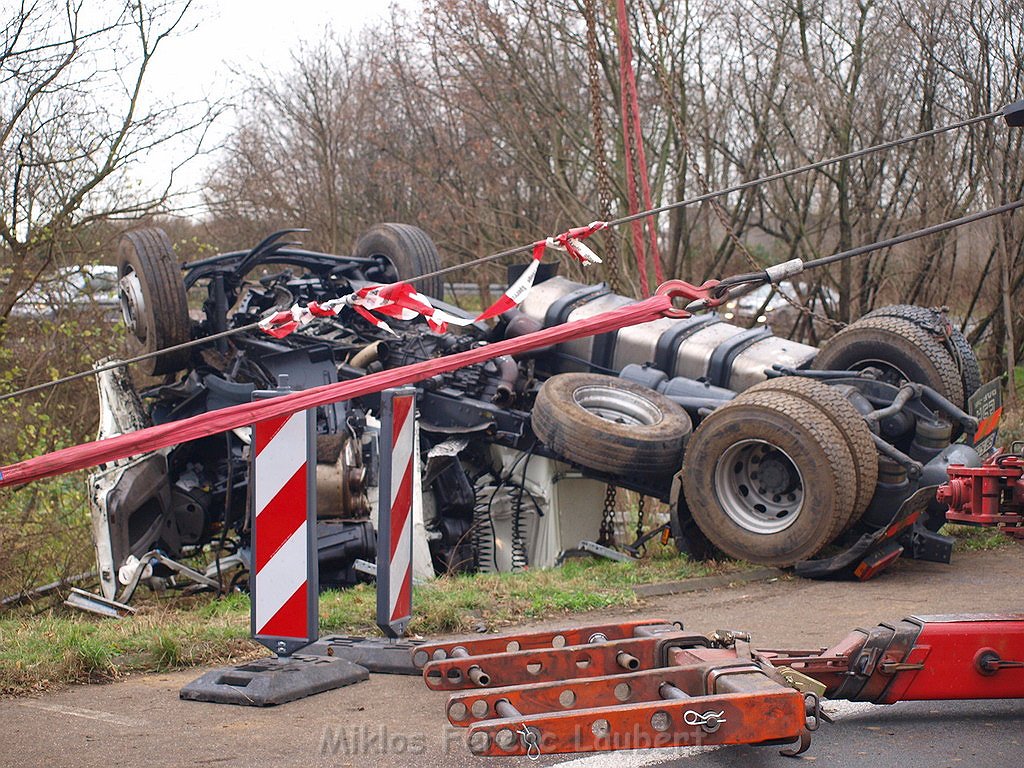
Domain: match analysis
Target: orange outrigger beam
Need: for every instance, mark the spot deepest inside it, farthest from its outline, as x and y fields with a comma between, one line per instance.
x=645, y=684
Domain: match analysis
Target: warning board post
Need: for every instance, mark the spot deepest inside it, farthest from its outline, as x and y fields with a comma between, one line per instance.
x=394, y=521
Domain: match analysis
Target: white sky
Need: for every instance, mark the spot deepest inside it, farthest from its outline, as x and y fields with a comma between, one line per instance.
x=221, y=36
x=234, y=33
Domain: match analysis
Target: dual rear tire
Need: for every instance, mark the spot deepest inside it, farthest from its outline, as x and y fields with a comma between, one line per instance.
x=779, y=472
x=907, y=343
x=770, y=477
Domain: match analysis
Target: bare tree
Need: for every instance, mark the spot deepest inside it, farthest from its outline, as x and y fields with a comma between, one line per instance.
x=477, y=119
x=73, y=126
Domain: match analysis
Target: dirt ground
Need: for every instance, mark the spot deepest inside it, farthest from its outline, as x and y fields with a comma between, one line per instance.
x=396, y=721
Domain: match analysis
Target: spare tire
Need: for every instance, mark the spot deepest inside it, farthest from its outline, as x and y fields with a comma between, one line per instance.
x=932, y=321
x=900, y=348
x=409, y=251
x=610, y=425
x=153, y=301
x=768, y=478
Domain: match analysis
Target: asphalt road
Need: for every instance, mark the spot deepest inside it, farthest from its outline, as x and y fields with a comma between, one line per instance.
x=396, y=721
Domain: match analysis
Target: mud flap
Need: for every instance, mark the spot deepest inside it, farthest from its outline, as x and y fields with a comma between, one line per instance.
x=873, y=551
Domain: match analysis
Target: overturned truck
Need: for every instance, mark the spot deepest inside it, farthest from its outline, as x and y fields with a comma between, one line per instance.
x=764, y=449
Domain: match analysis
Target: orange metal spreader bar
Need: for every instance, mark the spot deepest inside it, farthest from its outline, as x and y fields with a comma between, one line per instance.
x=650, y=684
x=737, y=718
x=527, y=641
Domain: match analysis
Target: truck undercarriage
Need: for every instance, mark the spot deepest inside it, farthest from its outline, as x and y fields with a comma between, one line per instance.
x=762, y=448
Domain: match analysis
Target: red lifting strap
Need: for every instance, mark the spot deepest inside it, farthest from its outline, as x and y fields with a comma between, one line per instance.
x=205, y=424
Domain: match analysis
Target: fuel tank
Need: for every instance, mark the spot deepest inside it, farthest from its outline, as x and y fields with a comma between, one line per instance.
x=698, y=347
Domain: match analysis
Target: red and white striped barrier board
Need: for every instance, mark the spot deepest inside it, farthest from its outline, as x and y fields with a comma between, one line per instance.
x=283, y=580
x=394, y=521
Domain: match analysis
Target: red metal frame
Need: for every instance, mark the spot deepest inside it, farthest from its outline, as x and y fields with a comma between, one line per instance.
x=674, y=688
x=989, y=495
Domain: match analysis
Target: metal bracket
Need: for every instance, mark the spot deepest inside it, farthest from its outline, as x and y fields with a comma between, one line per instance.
x=593, y=548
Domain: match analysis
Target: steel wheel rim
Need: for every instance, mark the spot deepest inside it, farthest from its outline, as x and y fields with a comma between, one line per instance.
x=618, y=406
x=133, y=303
x=759, y=486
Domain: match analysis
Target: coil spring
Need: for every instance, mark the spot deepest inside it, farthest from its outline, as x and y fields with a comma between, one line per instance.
x=519, y=556
x=482, y=533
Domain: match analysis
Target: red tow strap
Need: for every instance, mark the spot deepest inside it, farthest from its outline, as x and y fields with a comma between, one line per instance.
x=205, y=424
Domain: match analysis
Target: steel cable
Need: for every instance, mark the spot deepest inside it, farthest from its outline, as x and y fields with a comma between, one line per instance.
x=616, y=223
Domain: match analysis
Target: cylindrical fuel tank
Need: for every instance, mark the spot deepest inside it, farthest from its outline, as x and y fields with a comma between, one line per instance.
x=698, y=347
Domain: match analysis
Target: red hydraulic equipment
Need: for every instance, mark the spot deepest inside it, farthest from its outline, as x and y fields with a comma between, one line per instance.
x=646, y=684
x=652, y=684
x=989, y=495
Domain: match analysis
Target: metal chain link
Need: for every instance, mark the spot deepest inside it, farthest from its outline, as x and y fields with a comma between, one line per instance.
x=640, y=517
x=606, y=534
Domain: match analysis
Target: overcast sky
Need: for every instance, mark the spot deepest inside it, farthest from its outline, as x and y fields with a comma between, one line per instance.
x=243, y=35
x=235, y=33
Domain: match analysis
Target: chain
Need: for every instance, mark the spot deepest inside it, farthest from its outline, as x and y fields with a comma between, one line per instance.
x=604, y=187
x=640, y=517
x=684, y=137
x=606, y=534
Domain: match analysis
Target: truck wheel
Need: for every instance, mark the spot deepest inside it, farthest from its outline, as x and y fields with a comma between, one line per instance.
x=768, y=478
x=409, y=251
x=902, y=349
x=970, y=371
x=851, y=426
x=153, y=301
x=610, y=425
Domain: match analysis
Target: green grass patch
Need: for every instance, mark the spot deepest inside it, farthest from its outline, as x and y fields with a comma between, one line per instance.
x=172, y=631
x=61, y=646
x=971, y=538
x=491, y=601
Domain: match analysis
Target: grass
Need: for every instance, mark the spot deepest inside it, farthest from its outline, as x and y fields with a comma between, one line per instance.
x=490, y=601
x=971, y=538
x=65, y=647
x=172, y=631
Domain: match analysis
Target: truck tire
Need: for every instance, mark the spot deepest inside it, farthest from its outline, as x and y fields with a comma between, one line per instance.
x=851, y=426
x=963, y=354
x=901, y=348
x=153, y=301
x=610, y=425
x=791, y=446
x=409, y=250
